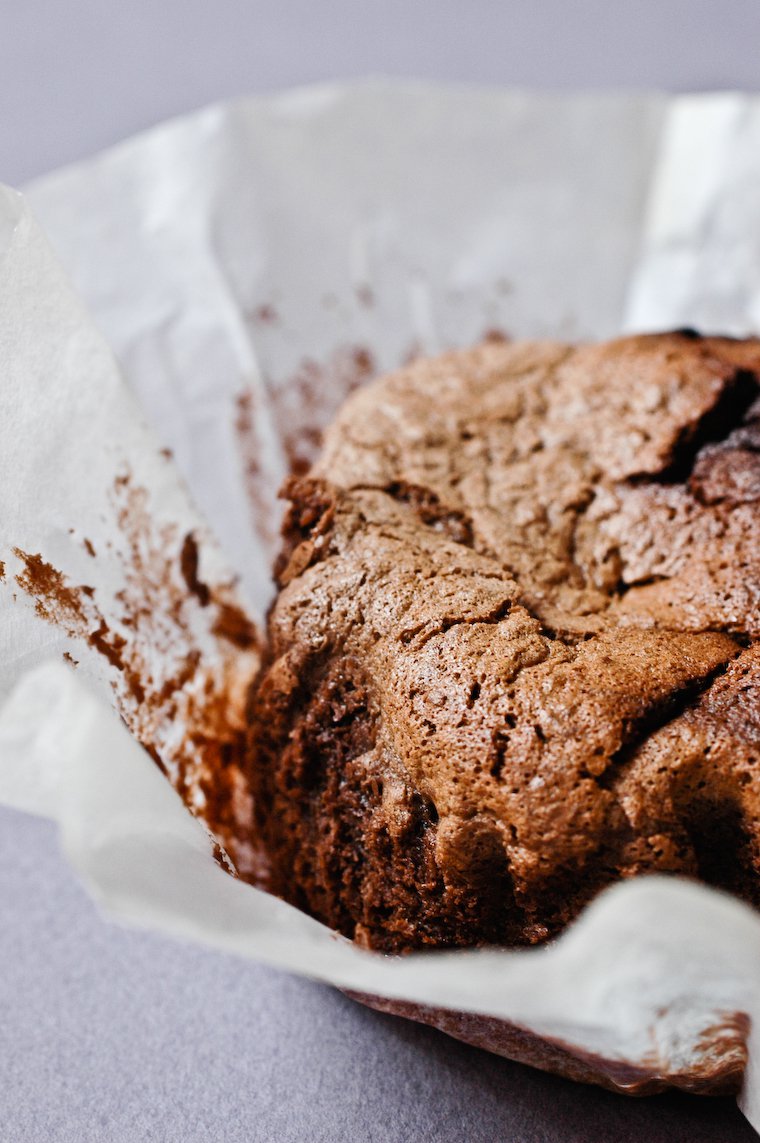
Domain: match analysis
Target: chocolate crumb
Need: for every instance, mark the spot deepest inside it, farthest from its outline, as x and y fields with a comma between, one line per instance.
x=54, y=598
x=166, y=669
x=99, y=639
x=266, y=313
x=189, y=560
x=249, y=450
x=88, y=547
x=221, y=858
x=234, y=625
x=305, y=405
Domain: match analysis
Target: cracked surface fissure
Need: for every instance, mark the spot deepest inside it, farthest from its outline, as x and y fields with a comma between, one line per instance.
x=510, y=591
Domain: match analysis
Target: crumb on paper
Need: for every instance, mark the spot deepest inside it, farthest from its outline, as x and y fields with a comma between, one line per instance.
x=305, y=404
x=266, y=314
x=161, y=672
x=188, y=561
x=248, y=450
x=55, y=599
x=301, y=407
x=495, y=335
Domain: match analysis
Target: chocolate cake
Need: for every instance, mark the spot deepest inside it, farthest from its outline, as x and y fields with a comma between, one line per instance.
x=514, y=653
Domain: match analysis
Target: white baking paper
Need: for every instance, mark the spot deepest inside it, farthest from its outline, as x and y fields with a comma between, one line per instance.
x=94, y=523
x=247, y=266
x=699, y=263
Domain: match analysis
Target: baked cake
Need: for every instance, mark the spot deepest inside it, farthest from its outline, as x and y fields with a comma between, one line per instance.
x=513, y=657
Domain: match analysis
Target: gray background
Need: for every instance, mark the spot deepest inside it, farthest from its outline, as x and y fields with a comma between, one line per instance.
x=77, y=75
x=110, y=1035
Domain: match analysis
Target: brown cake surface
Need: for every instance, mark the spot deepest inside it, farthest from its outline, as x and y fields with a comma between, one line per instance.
x=513, y=657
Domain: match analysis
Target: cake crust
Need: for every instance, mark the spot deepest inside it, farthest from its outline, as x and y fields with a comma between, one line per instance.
x=513, y=654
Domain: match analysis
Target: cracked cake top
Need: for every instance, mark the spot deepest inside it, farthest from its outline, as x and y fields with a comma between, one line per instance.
x=534, y=567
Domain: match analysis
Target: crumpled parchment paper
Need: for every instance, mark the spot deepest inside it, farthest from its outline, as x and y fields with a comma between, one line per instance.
x=246, y=267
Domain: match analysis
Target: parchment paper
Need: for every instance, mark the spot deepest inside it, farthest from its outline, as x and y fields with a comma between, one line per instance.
x=247, y=266
x=699, y=263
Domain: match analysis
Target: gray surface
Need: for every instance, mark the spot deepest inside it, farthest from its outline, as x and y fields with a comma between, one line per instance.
x=112, y=1035
x=109, y=1034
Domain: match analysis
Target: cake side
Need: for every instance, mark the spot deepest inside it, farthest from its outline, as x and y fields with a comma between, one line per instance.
x=518, y=596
